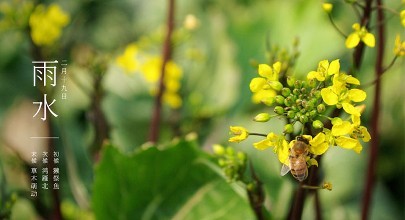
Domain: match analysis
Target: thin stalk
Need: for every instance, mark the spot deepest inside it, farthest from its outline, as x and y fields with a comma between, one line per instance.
x=166, y=54
x=379, y=69
x=256, y=196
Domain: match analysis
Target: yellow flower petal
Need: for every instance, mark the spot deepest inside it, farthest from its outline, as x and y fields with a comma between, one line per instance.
x=352, y=40
x=351, y=80
x=264, y=96
x=356, y=120
x=276, y=67
x=262, y=145
x=329, y=97
x=350, y=109
x=346, y=142
x=358, y=148
x=240, y=134
x=327, y=7
x=319, y=149
x=366, y=135
x=369, y=39
x=334, y=67
x=357, y=95
x=318, y=139
x=342, y=128
x=283, y=151
x=265, y=70
x=402, y=15
x=172, y=99
x=312, y=75
x=257, y=84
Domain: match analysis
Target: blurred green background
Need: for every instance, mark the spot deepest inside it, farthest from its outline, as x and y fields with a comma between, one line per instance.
x=179, y=179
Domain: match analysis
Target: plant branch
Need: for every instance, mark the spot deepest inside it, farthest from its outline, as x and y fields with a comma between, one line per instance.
x=359, y=51
x=379, y=69
x=166, y=54
x=379, y=76
x=256, y=195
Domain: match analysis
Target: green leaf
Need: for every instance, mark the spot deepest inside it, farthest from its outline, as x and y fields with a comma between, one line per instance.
x=174, y=183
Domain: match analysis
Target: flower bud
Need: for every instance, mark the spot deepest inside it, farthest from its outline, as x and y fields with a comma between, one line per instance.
x=291, y=114
x=276, y=85
x=304, y=90
x=221, y=162
x=297, y=84
x=312, y=113
x=303, y=119
x=279, y=110
x=298, y=102
x=290, y=81
x=279, y=99
x=288, y=101
x=288, y=128
x=241, y=156
x=230, y=151
x=286, y=91
x=218, y=149
x=327, y=7
x=320, y=108
x=317, y=124
x=312, y=83
x=262, y=117
x=296, y=91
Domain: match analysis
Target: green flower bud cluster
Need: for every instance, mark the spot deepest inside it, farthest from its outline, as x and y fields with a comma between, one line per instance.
x=232, y=162
x=299, y=101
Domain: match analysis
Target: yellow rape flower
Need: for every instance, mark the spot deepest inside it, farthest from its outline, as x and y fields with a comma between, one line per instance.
x=402, y=15
x=339, y=95
x=399, y=48
x=240, y=134
x=127, y=61
x=347, y=134
x=360, y=33
x=324, y=69
x=279, y=144
x=264, y=87
x=319, y=144
x=327, y=7
x=46, y=24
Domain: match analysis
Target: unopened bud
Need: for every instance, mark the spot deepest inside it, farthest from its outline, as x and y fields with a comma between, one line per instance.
x=327, y=7
x=321, y=108
x=279, y=110
x=262, y=117
x=288, y=128
x=290, y=81
x=291, y=114
x=285, y=91
x=317, y=124
x=218, y=149
x=268, y=101
x=279, y=99
x=276, y=85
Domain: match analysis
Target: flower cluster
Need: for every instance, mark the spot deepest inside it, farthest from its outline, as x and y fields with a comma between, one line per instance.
x=233, y=163
x=46, y=24
x=135, y=60
x=305, y=103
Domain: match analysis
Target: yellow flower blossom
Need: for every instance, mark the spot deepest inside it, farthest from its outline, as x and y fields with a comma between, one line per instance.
x=46, y=24
x=360, y=33
x=173, y=73
x=327, y=185
x=279, y=144
x=347, y=134
x=127, y=61
x=264, y=87
x=327, y=7
x=399, y=48
x=319, y=144
x=240, y=134
x=324, y=69
x=402, y=15
x=338, y=94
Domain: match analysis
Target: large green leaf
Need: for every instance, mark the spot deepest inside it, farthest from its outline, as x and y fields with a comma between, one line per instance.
x=174, y=183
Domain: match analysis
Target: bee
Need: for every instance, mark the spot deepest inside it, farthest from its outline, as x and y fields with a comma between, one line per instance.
x=297, y=160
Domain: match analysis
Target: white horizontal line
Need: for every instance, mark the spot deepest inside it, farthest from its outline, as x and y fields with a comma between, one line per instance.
x=45, y=137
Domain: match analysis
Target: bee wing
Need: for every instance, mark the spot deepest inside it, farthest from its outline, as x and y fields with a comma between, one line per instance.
x=284, y=170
